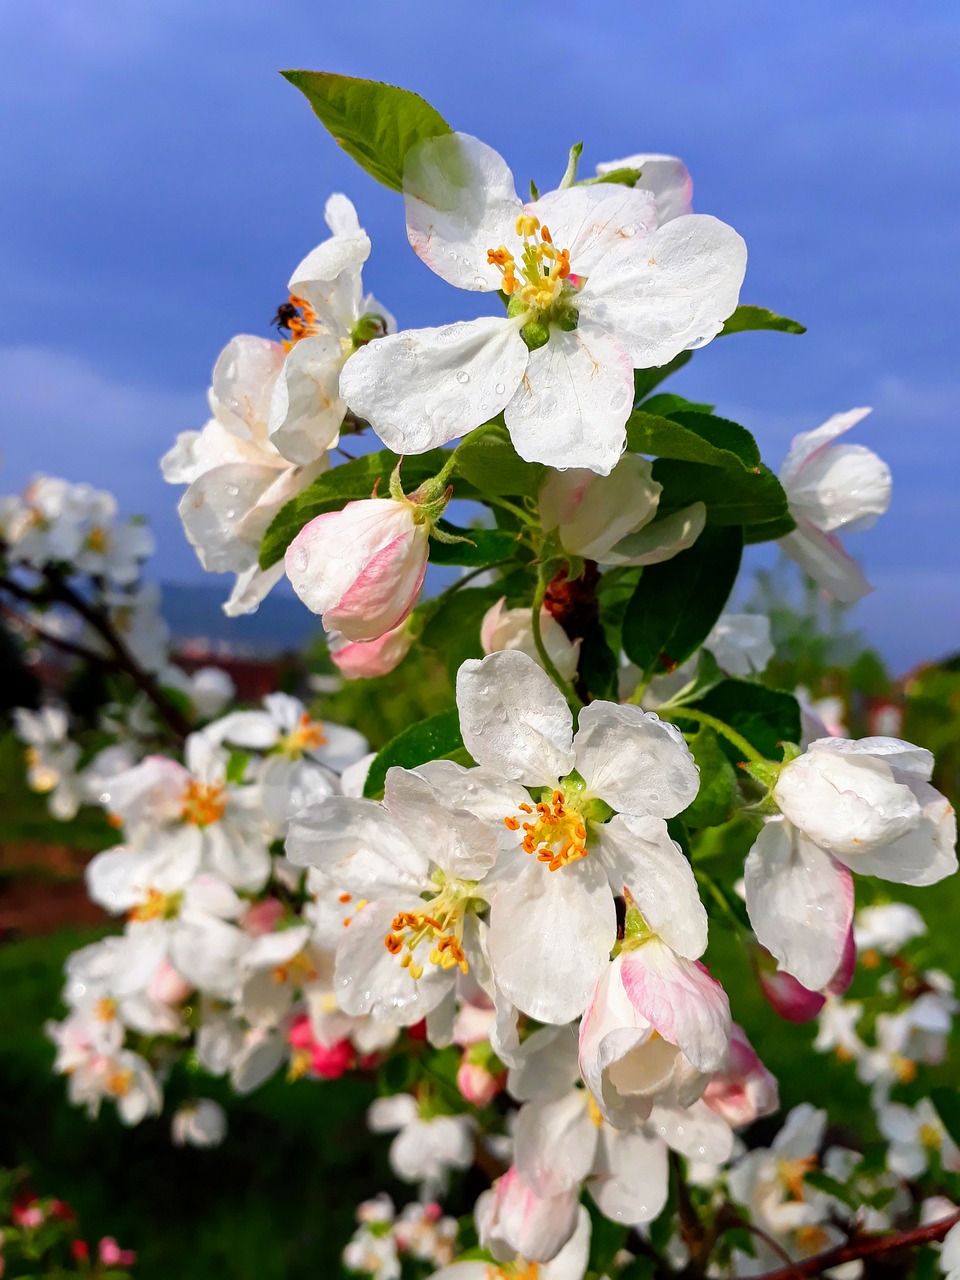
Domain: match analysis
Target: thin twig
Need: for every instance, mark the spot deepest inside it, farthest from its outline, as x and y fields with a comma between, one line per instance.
x=865, y=1247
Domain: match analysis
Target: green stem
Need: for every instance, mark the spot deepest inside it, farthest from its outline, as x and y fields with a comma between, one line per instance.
x=643, y=684
x=507, y=506
x=547, y=662
x=666, y=712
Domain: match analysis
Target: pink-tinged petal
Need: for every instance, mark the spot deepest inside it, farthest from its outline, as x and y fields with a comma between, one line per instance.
x=593, y=513
x=745, y=1090
x=841, y=980
x=822, y=556
x=800, y=903
x=661, y=540
x=358, y=659
x=666, y=177
x=361, y=568
x=572, y=405
x=669, y=291
x=787, y=997
x=590, y=221
x=422, y=387
x=841, y=487
x=807, y=444
x=460, y=201
x=514, y=719
x=512, y=1219
x=680, y=1000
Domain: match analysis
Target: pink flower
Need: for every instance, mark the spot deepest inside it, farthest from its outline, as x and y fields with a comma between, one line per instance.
x=361, y=568
x=745, y=1090
x=356, y=659
x=111, y=1255
x=168, y=986
x=29, y=1216
x=300, y=1034
x=655, y=1030
x=263, y=917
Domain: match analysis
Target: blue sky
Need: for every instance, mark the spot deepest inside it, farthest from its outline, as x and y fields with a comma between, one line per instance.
x=162, y=180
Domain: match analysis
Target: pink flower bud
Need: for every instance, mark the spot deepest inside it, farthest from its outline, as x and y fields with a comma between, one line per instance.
x=111, y=1255
x=300, y=1035
x=746, y=1089
x=356, y=659
x=503, y=628
x=330, y=1062
x=841, y=980
x=477, y=1085
x=263, y=917
x=168, y=986
x=788, y=997
x=512, y=1219
x=361, y=568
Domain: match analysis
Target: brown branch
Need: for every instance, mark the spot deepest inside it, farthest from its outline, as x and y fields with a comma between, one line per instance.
x=866, y=1247
x=57, y=591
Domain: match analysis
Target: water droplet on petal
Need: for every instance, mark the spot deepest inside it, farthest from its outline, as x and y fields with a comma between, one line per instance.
x=499, y=388
x=463, y=376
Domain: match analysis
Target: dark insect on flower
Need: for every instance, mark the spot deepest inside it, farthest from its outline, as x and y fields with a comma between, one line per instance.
x=286, y=315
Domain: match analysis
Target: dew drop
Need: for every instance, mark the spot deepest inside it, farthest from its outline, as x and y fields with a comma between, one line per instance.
x=230, y=513
x=378, y=346
x=499, y=388
x=479, y=281
x=232, y=490
x=463, y=376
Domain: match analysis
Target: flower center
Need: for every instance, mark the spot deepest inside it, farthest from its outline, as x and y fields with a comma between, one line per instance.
x=793, y=1172
x=518, y=1270
x=119, y=1083
x=307, y=736
x=98, y=539
x=555, y=833
x=300, y=969
x=537, y=278
x=930, y=1136
x=440, y=922
x=203, y=803
x=297, y=318
x=157, y=906
x=105, y=1009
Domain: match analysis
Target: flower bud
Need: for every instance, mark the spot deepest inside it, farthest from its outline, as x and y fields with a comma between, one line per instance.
x=591, y=513
x=745, y=1090
x=330, y=1062
x=168, y=986
x=788, y=997
x=476, y=1083
x=361, y=568
x=512, y=1219
x=356, y=659
x=511, y=629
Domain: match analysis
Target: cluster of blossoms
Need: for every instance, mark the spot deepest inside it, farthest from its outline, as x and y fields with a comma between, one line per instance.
x=504, y=913
x=40, y=1236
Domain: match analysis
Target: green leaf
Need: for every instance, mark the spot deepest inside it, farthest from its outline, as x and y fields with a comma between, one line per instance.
x=485, y=546
x=718, y=794
x=693, y=437
x=769, y=530
x=625, y=177
x=598, y=666
x=431, y=739
x=750, y=318
x=746, y=497
x=348, y=483
x=607, y=1238
x=666, y=404
x=375, y=123
x=644, y=380
x=488, y=460
x=947, y=1104
x=823, y=1182
x=765, y=717
x=677, y=602
x=453, y=630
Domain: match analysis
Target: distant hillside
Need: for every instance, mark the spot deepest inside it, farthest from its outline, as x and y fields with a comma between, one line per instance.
x=195, y=611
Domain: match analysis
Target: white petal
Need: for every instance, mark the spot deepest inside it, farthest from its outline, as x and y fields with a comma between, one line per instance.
x=572, y=406
x=355, y=843
x=631, y=1179
x=462, y=845
x=214, y=508
x=670, y=291
x=800, y=903
x=665, y=176
x=545, y=1065
x=925, y=855
x=822, y=556
x=460, y=201
x=514, y=719
x=646, y=861
x=423, y=387
x=386, y=1115
x=252, y=587
x=808, y=443
x=243, y=381
x=590, y=221
x=554, y=1143
x=550, y=937
x=369, y=980
x=661, y=540
x=841, y=487
x=593, y=513
x=634, y=761
x=306, y=410
x=696, y=1132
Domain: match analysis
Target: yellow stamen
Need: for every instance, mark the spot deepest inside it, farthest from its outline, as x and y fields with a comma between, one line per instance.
x=542, y=268
x=119, y=1083
x=307, y=736
x=558, y=836
x=300, y=326
x=156, y=906
x=203, y=803
x=105, y=1009
x=595, y=1115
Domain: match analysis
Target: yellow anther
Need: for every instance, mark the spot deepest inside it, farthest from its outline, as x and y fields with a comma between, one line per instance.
x=203, y=803
x=527, y=224
x=440, y=923
x=594, y=1110
x=156, y=906
x=300, y=1064
x=119, y=1083
x=98, y=539
x=307, y=736
x=930, y=1136
x=558, y=836
x=105, y=1009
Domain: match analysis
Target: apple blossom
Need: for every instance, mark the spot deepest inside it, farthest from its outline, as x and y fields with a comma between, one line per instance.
x=513, y=1219
x=361, y=568
x=569, y=1264
x=512, y=629
x=741, y=643
x=202, y=1123
x=596, y=289
x=665, y=176
x=744, y=1090
x=656, y=1028
x=887, y=927
x=829, y=488
x=361, y=659
x=580, y=818
x=427, y=1147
